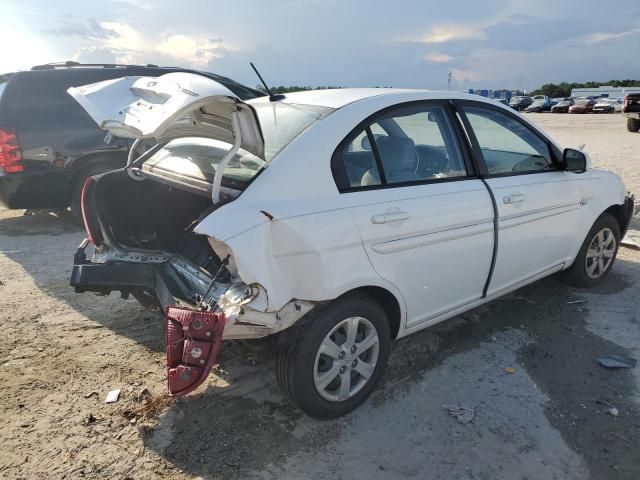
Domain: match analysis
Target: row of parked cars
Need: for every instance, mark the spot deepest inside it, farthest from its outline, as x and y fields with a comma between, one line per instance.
x=542, y=103
x=325, y=223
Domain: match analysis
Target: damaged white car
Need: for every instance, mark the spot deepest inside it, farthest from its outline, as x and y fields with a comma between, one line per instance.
x=339, y=220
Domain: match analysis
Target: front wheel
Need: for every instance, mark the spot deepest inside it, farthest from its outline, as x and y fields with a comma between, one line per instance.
x=633, y=124
x=597, y=254
x=331, y=363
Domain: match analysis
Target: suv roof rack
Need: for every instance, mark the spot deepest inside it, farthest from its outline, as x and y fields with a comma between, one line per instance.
x=70, y=64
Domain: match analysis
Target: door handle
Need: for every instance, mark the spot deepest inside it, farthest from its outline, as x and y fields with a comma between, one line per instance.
x=514, y=198
x=389, y=217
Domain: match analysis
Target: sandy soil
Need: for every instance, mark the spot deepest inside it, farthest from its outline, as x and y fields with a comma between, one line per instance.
x=62, y=352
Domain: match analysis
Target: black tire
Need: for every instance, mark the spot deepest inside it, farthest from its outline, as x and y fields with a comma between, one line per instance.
x=633, y=124
x=298, y=347
x=75, y=200
x=577, y=274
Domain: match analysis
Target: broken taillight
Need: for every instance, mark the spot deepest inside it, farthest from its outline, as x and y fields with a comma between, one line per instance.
x=625, y=106
x=194, y=339
x=10, y=154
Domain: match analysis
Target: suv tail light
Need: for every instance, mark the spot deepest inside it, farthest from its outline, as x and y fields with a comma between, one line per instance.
x=10, y=154
x=626, y=103
x=90, y=222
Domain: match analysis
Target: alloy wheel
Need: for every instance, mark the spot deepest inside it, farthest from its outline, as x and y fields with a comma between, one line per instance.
x=600, y=253
x=346, y=359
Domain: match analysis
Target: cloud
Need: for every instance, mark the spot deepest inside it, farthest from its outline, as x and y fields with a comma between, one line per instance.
x=599, y=37
x=91, y=29
x=129, y=45
x=197, y=52
x=438, y=57
x=94, y=55
x=453, y=32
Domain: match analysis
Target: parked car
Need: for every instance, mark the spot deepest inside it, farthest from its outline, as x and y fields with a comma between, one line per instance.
x=546, y=102
x=49, y=144
x=605, y=105
x=582, y=105
x=619, y=104
x=562, y=106
x=520, y=103
x=631, y=110
x=538, y=106
x=339, y=220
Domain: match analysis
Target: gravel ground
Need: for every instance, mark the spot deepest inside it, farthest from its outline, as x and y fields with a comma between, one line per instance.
x=548, y=419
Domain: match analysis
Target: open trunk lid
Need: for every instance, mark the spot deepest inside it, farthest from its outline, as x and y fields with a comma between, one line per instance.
x=171, y=106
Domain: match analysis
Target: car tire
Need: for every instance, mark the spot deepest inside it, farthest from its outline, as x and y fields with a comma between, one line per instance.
x=314, y=358
x=597, y=254
x=633, y=124
x=75, y=201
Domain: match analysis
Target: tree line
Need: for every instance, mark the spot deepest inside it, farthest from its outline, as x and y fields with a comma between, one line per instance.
x=563, y=89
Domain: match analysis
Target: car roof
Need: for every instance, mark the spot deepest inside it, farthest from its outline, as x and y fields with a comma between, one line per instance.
x=339, y=97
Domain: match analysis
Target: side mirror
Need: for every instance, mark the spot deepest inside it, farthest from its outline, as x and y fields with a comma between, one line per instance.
x=574, y=160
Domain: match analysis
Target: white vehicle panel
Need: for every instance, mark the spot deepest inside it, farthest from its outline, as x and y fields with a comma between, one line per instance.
x=435, y=242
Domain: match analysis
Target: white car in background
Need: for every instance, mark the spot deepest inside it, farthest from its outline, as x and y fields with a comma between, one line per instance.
x=339, y=220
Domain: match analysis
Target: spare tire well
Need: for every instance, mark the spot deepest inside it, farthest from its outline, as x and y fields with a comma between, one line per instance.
x=387, y=301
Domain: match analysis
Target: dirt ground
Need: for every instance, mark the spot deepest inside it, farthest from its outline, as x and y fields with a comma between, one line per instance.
x=547, y=416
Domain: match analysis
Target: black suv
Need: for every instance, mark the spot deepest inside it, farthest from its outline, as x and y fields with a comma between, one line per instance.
x=49, y=145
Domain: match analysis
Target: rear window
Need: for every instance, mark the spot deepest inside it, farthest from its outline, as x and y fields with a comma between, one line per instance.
x=196, y=159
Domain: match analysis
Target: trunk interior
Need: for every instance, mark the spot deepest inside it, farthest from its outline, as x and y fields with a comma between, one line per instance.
x=151, y=215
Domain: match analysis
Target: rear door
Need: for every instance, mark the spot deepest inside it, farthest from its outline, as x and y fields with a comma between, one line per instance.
x=426, y=221
x=538, y=204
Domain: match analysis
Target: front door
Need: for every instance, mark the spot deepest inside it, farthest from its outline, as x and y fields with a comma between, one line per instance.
x=538, y=204
x=426, y=223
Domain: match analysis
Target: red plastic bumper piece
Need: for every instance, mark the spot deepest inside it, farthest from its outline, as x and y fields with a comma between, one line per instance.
x=194, y=340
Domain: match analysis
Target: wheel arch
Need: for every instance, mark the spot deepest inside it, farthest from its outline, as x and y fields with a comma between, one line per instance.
x=387, y=300
x=117, y=159
x=619, y=212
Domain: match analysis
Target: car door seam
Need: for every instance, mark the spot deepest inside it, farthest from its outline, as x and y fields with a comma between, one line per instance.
x=496, y=226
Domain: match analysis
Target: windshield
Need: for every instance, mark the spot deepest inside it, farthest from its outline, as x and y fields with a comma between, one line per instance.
x=197, y=158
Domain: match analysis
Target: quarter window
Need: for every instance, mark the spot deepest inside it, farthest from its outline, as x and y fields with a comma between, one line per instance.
x=408, y=144
x=507, y=145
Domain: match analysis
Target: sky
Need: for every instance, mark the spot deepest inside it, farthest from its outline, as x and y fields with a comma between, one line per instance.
x=401, y=43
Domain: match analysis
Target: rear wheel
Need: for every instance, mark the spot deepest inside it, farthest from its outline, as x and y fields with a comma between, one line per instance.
x=633, y=124
x=330, y=365
x=597, y=254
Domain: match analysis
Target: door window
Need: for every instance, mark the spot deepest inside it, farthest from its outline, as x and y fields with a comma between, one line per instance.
x=410, y=144
x=507, y=145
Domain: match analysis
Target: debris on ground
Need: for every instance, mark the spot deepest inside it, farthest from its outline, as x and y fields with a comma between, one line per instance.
x=613, y=411
x=90, y=394
x=617, y=361
x=463, y=414
x=150, y=407
x=112, y=396
x=573, y=302
x=631, y=240
x=510, y=370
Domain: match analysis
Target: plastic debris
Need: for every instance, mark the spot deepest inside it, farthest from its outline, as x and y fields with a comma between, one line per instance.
x=613, y=411
x=463, y=414
x=617, y=361
x=510, y=370
x=112, y=396
x=573, y=302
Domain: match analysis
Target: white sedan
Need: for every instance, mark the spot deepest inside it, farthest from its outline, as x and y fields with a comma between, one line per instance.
x=336, y=220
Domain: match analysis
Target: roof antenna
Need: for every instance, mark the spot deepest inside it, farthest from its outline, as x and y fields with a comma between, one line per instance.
x=272, y=97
